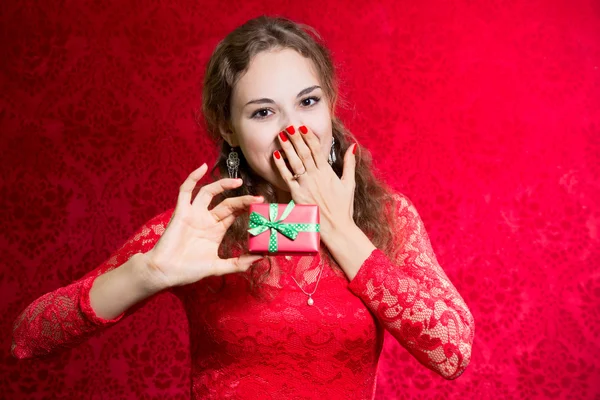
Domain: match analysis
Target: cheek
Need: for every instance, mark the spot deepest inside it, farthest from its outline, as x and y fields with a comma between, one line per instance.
x=320, y=121
x=257, y=153
x=323, y=130
x=253, y=139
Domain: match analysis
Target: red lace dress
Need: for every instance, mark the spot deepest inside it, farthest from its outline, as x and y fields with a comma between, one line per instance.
x=277, y=346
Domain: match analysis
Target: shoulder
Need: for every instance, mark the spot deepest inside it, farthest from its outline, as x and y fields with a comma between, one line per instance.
x=403, y=214
x=399, y=203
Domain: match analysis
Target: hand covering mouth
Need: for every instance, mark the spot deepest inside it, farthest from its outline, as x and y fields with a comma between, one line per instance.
x=287, y=163
x=285, y=159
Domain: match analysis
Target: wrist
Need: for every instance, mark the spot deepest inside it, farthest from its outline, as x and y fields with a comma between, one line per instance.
x=336, y=230
x=344, y=232
x=143, y=276
x=350, y=247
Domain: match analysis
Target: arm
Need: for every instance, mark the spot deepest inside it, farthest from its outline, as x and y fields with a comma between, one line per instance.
x=410, y=294
x=71, y=314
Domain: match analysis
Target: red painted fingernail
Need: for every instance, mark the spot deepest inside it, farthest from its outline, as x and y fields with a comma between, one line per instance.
x=354, y=149
x=283, y=136
x=303, y=129
x=290, y=129
x=277, y=155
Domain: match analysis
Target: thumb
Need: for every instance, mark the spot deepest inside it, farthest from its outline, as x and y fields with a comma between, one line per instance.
x=349, y=164
x=235, y=264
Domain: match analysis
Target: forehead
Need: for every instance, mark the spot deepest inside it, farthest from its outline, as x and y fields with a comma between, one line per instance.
x=275, y=74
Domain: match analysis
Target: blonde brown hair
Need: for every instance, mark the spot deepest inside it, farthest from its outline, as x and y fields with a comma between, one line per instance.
x=228, y=62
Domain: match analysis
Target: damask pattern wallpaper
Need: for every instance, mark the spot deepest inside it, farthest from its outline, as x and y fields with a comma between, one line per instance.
x=485, y=113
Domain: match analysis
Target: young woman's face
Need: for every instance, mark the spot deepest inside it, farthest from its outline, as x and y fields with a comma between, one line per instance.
x=280, y=88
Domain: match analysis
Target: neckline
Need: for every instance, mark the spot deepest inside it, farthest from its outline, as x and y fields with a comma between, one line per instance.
x=290, y=268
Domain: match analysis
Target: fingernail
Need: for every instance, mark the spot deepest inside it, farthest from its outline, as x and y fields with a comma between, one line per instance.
x=354, y=149
x=303, y=129
x=290, y=129
x=277, y=155
x=283, y=136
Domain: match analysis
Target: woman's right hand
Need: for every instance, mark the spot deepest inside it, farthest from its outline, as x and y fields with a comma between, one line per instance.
x=188, y=249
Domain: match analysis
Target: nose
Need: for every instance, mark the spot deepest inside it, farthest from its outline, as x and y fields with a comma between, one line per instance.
x=290, y=127
x=291, y=120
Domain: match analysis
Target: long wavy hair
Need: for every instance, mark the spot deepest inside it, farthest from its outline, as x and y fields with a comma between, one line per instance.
x=228, y=62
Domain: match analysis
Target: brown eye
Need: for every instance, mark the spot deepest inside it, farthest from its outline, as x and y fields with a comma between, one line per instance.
x=260, y=114
x=310, y=101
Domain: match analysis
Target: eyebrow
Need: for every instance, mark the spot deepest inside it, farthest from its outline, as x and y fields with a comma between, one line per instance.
x=267, y=100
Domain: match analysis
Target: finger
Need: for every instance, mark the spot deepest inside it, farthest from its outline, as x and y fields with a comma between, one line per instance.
x=236, y=264
x=352, y=196
x=207, y=192
x=301, y=150
x=313, y=143
x=349, y=164
x=286, y=174
x=289, y=152
x=234, y=205
x=185, y=190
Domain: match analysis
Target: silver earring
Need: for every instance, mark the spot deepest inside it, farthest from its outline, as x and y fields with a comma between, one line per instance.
x=233, y=162
x=331, y=159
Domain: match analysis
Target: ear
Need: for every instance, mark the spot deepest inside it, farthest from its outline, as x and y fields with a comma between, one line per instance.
x=228, y=135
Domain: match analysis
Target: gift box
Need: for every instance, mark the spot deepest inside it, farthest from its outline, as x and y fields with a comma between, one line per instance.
x=284, y=228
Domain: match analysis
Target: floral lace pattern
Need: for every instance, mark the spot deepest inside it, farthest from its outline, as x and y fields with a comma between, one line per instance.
x=280, y=348
x=64, y=317
x=415, y=301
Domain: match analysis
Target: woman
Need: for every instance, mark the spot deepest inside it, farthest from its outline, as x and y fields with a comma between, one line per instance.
x=258, y=326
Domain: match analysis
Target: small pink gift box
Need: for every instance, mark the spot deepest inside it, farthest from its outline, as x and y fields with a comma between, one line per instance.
x=284, y=228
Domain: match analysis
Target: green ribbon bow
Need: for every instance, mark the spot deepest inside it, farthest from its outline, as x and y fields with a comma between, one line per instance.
x=258, y=224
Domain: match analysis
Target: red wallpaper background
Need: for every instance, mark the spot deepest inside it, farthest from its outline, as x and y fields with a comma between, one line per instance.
x=485, y=113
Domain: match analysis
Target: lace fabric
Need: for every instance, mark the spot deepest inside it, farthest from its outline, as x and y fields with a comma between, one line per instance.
x=64, y=317
x=246, y=347
x=414, y=299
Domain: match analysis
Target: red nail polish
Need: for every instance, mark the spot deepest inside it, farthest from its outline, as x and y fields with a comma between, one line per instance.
x=290, y=129
x=283, y=136
x=354, y=149
x=303, y=129
x=277, y=155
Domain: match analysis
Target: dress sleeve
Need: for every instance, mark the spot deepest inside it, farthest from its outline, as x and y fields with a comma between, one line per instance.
x=63, y=318
x=414, y=300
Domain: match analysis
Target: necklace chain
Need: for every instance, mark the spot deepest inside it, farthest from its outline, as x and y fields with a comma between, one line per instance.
x=310, y=301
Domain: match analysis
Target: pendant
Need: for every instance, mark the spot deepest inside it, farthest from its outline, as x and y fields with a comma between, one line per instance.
x=310, y=301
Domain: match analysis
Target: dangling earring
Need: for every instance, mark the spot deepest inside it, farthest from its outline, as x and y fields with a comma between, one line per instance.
x=233, y=162
x=331, y=159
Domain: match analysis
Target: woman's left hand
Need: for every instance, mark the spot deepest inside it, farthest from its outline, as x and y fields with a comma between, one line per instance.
x=317, y=183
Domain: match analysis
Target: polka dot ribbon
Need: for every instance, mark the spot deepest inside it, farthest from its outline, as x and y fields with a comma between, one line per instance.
x=258, y=224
